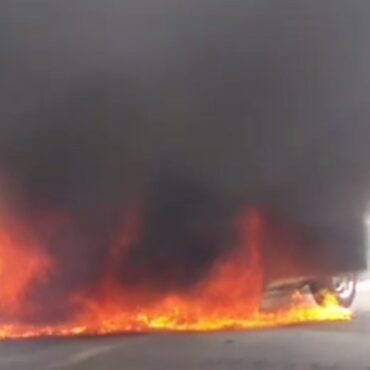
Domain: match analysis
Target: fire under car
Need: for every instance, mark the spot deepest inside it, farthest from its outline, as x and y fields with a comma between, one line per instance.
x=301, y=258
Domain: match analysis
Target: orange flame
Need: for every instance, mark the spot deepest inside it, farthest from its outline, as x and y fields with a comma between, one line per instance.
x=229, y=298
x=21, y=265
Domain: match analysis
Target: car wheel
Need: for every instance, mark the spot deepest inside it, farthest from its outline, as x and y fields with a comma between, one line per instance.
x=343, y=287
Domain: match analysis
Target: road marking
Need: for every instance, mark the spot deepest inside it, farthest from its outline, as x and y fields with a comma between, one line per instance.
x=79, y=357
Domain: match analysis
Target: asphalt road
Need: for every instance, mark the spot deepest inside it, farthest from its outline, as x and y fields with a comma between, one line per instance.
x=327, y=346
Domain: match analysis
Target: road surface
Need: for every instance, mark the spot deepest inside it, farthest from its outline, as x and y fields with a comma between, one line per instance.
x=330, y=346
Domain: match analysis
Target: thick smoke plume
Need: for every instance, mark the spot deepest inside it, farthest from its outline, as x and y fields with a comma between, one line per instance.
x=187, y=110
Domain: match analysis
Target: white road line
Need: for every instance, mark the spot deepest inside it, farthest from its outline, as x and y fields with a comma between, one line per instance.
x=79, y=357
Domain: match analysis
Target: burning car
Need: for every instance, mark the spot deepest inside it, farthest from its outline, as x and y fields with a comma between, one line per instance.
x=298, y=258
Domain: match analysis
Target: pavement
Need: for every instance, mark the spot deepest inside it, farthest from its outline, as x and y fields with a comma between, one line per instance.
x=333, y=346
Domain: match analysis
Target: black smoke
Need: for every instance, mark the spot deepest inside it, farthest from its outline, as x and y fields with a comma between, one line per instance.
x=212, y=104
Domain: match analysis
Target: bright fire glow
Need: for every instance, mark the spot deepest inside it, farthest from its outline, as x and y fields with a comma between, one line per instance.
x=20, y=267
x=228, y=298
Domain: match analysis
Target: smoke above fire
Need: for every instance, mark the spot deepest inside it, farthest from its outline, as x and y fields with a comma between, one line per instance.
x=177, y=116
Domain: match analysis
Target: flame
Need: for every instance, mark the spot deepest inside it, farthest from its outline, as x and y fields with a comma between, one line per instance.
x=228, y=298
x=22, y=264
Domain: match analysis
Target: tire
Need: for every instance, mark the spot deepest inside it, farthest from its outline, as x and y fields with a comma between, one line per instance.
x=343, y=287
